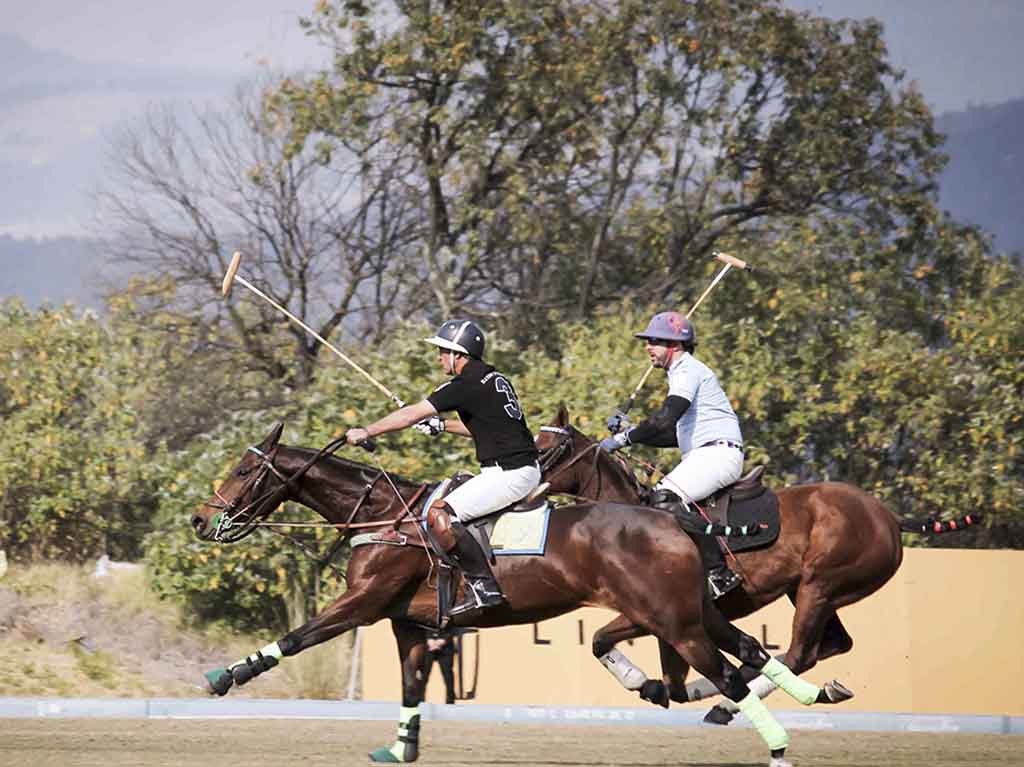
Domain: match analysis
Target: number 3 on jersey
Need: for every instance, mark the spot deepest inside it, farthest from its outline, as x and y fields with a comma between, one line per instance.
x=512, y=408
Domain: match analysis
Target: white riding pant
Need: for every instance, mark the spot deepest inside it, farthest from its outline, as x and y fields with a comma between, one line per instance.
x=492, y=489
x=703, y=471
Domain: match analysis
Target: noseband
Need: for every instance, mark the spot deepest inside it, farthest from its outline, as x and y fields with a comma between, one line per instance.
x=233, y=523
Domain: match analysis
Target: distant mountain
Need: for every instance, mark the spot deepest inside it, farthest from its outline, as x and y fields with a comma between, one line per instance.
x=51, y=271
x=56, y=113
x=984, y=181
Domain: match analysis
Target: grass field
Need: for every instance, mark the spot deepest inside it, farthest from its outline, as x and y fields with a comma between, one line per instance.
x=270, y=743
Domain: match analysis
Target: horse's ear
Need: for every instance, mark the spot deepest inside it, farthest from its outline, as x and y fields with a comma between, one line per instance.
x=270, y=442
x=563, y=416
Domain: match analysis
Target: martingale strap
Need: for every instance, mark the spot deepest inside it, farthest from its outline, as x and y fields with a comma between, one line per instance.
x=389, y=538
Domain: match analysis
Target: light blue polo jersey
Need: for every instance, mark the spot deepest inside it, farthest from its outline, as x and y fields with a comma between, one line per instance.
x=710, y=416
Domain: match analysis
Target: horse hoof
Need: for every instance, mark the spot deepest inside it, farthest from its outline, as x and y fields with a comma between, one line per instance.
x=384, y=754
x=217, y=682
x=779, y=762
x=837, y=692
x=654, y=691
x=717, y=715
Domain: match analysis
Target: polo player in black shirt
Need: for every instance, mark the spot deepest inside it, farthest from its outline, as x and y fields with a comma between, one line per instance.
x=488, y=411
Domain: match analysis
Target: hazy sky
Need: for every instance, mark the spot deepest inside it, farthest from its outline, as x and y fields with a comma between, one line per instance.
x=72, y=70
x=223, y=35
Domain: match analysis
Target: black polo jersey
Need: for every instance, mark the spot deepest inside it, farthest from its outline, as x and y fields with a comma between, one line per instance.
x=487, y=404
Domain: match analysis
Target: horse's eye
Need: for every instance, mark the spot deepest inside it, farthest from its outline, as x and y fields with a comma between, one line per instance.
x=243, y=472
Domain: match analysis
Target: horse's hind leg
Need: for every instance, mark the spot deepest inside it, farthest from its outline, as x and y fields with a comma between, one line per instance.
x=813, y=616
x=412, y=652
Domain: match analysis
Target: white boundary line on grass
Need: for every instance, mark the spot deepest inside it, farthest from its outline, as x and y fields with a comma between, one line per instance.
x=255, y=708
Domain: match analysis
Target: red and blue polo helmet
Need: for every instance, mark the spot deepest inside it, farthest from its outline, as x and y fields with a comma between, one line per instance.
x=669, y=326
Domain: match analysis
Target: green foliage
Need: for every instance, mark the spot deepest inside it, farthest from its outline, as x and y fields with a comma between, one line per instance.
x=76, y=478
x=559, y=155
x=558, y=173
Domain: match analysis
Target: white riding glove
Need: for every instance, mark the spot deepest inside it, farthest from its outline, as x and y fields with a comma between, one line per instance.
x=431, y=426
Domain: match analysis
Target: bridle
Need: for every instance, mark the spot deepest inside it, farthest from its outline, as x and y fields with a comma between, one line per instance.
x=549, y=458
x=552, y=455
x=233, y=524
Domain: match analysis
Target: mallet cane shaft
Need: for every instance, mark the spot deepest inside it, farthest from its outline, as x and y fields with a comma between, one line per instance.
x=232, y=276
x=730, y=262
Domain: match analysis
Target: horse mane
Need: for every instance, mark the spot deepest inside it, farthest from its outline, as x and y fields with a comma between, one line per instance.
x=618, y=464
x=348, y=465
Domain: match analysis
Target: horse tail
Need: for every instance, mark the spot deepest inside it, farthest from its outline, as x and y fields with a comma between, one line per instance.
x=934, y=526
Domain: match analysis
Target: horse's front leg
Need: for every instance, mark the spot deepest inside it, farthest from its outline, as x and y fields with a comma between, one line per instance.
x=365, y=602
x=412, y=652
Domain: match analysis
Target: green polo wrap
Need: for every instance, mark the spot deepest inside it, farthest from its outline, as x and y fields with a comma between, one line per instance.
x=766, y=725
x=799, y=689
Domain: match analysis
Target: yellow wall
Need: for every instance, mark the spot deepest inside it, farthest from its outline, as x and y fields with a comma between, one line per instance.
x=944, y=636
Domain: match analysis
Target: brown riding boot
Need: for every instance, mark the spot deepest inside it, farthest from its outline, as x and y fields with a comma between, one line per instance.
x=482, y=590
x=721, y=580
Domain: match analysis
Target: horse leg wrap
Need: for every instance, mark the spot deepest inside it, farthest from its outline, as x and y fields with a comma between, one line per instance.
x=622, y=668
x=761, y=686
x=767, y=726
x=407, y=747
x=797, y=688
x=249, y=668
x=218, y=681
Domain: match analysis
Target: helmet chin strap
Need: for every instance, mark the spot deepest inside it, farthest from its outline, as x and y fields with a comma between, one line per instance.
x=449, y=362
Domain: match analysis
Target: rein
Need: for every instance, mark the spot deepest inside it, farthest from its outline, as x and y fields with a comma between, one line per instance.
x=552, y=455
x=235, y=524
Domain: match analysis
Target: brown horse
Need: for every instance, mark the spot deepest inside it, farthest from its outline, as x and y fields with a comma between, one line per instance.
x=837, y=544
x=596, y=554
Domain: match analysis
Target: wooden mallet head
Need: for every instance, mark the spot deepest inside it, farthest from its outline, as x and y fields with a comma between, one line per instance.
x=229, y=277
x=734, y=262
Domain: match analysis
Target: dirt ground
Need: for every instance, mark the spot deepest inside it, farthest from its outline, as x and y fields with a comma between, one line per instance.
x=270, y=743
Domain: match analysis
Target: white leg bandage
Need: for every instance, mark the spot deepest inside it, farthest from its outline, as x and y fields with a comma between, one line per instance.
x=622, y=668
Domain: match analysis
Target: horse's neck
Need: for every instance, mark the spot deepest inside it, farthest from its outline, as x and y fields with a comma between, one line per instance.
x=611, y=482
x=334, y=486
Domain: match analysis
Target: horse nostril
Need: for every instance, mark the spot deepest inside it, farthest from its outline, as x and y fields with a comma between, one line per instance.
x=198, y=523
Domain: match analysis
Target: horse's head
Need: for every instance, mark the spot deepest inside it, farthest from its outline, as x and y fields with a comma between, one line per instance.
x=251, y=491
x=572, y=463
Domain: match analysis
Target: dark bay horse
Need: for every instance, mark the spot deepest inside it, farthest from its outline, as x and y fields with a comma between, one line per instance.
x=596, y=554
x=837, y=545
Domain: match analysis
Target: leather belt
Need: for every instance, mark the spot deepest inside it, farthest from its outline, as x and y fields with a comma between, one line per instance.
x=723, y=443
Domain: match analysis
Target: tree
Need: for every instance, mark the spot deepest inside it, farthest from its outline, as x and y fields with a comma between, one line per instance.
x=568, y=152
x=182, y=196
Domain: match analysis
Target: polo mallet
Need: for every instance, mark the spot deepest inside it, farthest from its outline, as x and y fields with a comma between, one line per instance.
x=729, y=261
x=232, y=276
